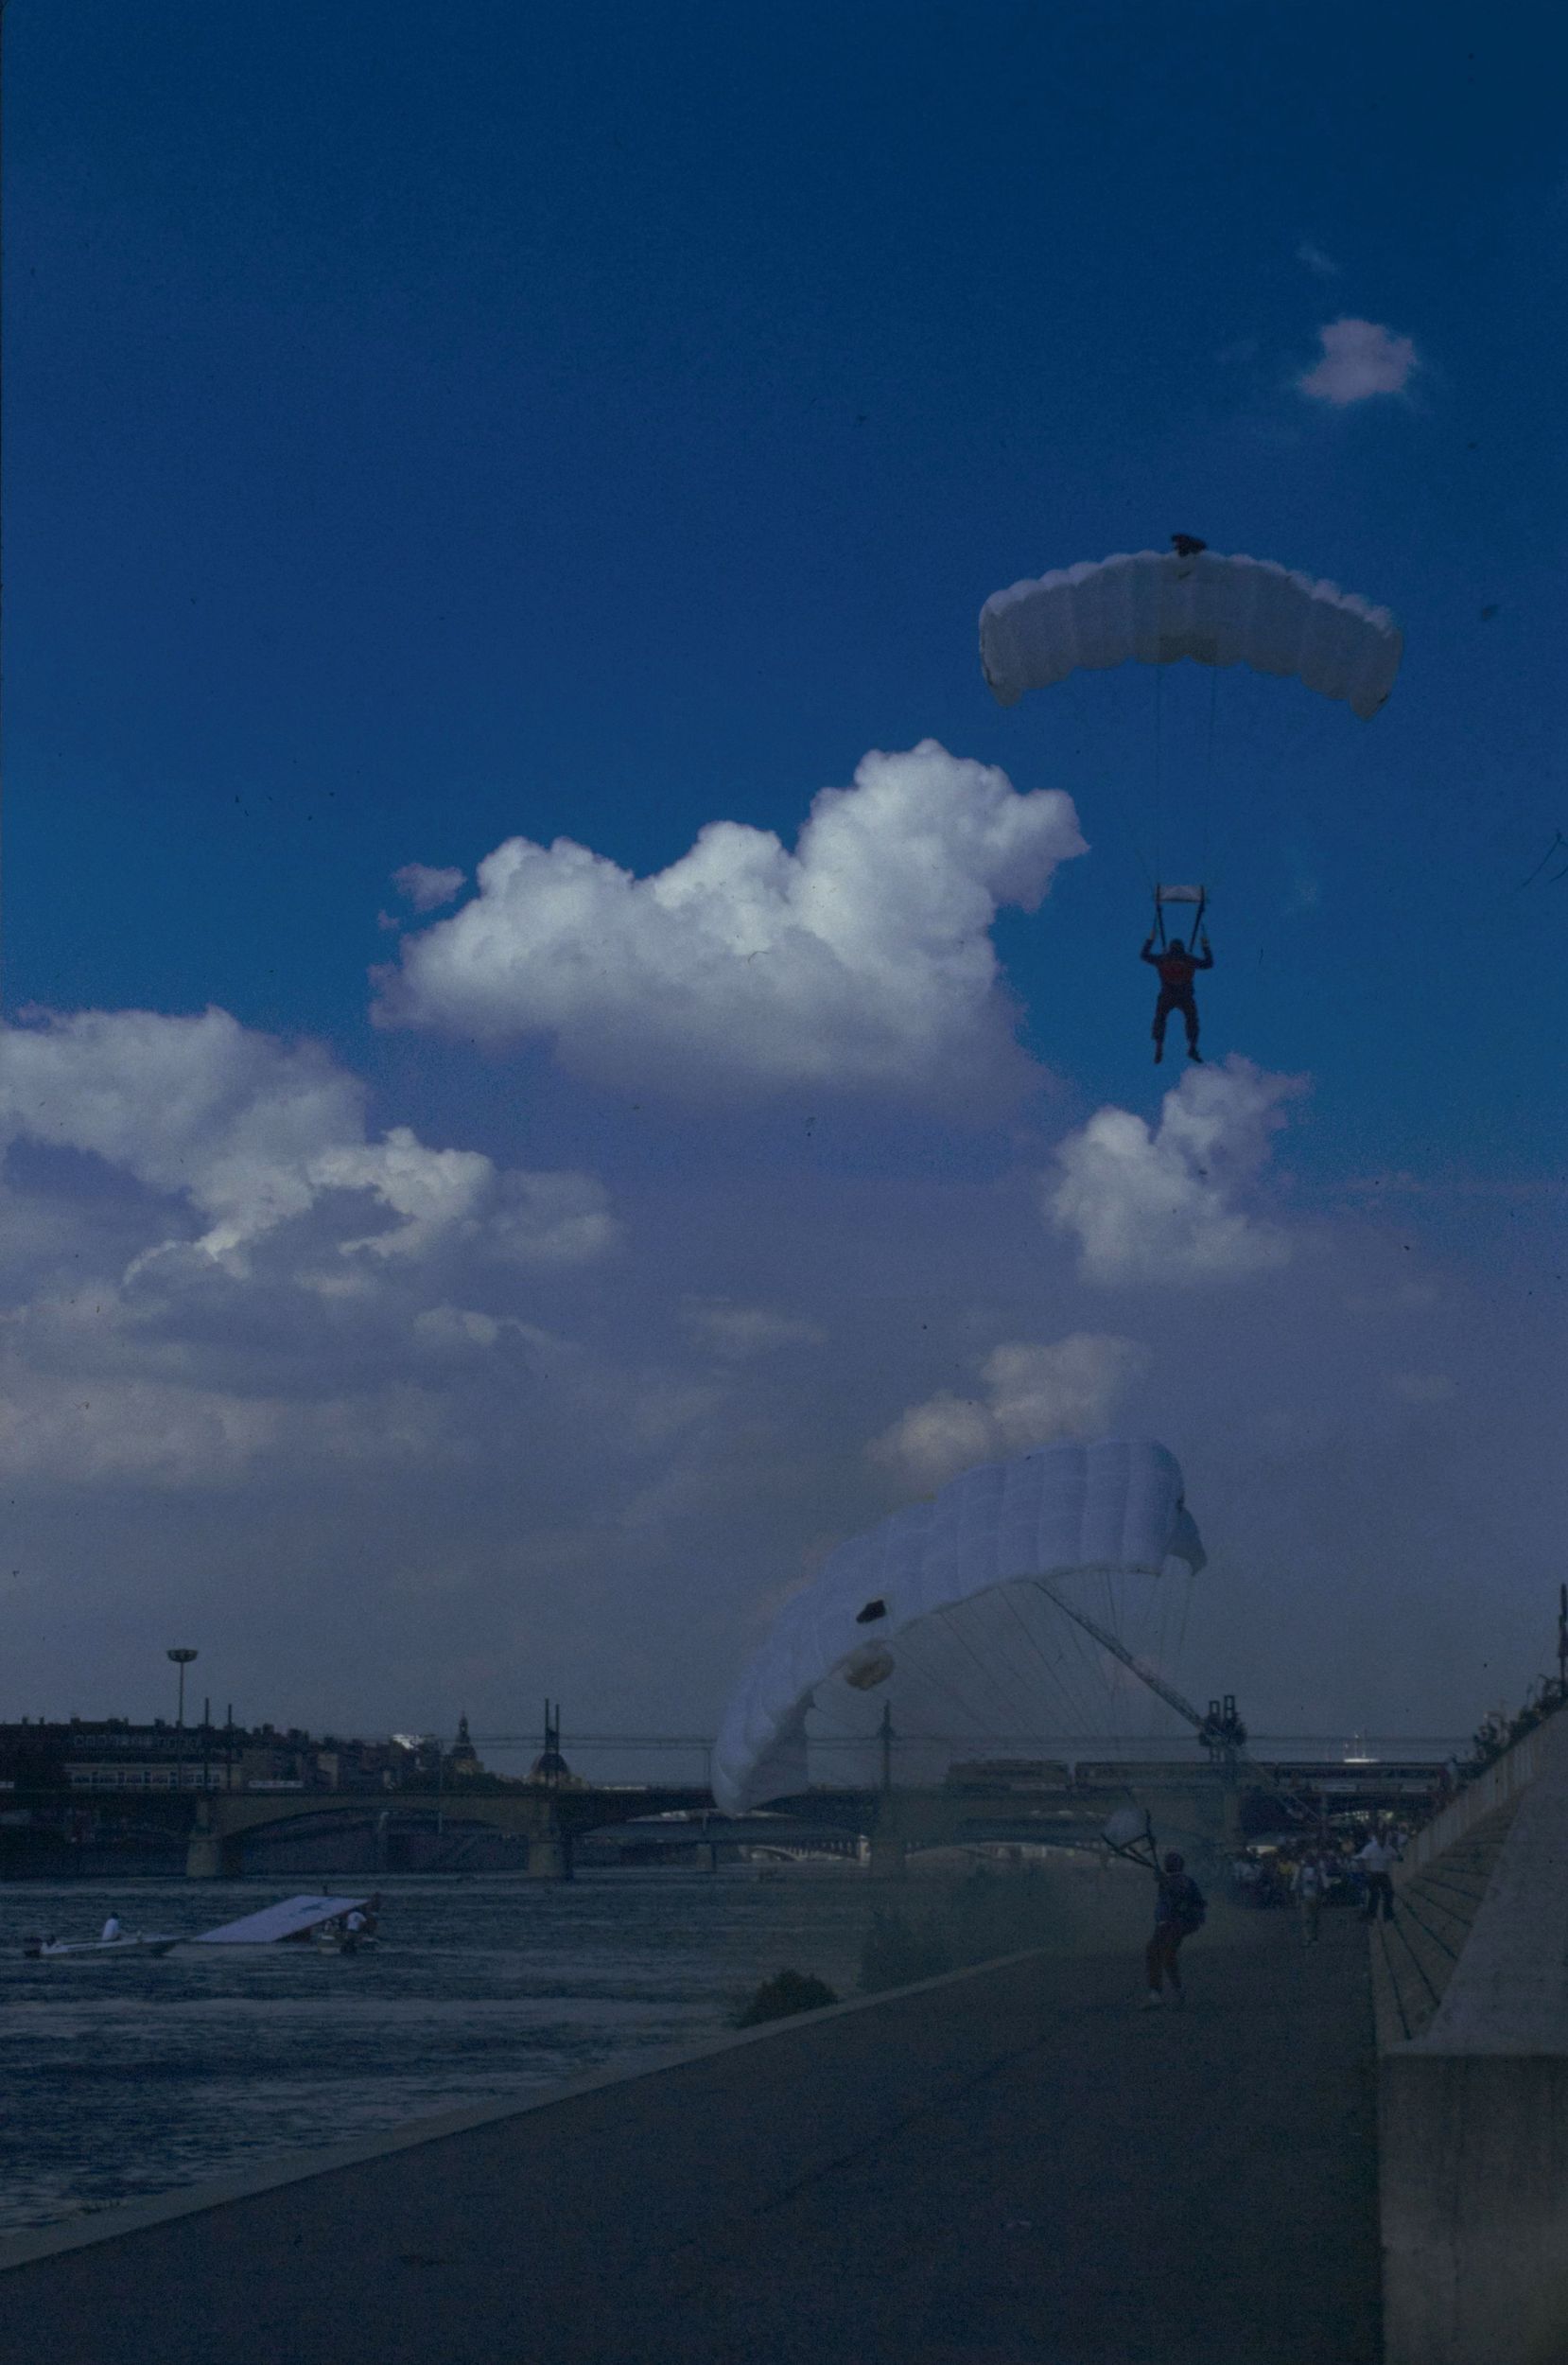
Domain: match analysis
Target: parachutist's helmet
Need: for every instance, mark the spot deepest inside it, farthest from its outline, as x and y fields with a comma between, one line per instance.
x=1174, y=1863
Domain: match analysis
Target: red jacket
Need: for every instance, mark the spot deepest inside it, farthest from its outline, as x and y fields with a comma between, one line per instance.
x=1178, y=967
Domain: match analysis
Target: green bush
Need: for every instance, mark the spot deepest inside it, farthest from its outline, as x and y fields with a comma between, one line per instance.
x=787, y=1991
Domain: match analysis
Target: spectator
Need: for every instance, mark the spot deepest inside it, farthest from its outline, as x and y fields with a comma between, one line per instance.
x=1310, y=1886
x=1377, y=1860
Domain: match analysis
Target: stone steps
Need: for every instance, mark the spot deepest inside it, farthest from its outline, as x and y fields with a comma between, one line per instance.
x=1413, y=1955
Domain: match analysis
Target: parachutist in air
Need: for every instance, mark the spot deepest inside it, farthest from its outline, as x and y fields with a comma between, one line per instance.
x=1177, y=965
x=1187, y=544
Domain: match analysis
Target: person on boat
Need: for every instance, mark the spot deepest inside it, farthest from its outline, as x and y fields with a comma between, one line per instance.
x=1177, y=965
x=355, y=1921
x=110, y=1930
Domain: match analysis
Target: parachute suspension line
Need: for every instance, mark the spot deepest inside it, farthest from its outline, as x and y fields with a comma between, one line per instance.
x=1034, y=1644
x=1116, y=806
x=1310, y=728
x=1176, y=1595
x=1173, y=1659
x=921, y=1678
x=966, y=1709
x=929, y=1678
x=1158, y=768
x=1077, y=1702
x=1187, y=1584
x=1091, y=1667
x=1208, y=777
x=1161, y=1642
x=1020, y=1698
x=1117, y=1649
x=1113, y=1625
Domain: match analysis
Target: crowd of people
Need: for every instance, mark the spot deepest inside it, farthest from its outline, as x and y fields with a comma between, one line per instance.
x=1305, y=1876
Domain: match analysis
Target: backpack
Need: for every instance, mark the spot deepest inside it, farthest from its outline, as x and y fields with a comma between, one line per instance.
x=1183, y=1903
x=1189, y=1910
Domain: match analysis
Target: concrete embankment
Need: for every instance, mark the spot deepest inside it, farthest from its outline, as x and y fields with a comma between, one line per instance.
x=1007, y=2166
x=1473, y=2020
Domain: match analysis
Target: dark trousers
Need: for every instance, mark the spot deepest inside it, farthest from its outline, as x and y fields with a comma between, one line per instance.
x=1380, y=1892
x=1159, y=1958
x=1189, y=1008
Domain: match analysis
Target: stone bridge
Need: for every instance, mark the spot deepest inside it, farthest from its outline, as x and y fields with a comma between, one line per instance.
x=1193, y=1806
x=545, y=1818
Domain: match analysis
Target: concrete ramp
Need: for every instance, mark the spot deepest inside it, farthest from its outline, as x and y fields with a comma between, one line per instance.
x=1011, y=2166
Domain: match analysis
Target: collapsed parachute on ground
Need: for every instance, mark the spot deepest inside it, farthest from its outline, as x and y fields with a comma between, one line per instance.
x=952, y=1613
x=1159, y=607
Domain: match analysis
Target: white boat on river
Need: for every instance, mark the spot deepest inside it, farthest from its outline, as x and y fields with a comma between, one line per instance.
x=124, y=1942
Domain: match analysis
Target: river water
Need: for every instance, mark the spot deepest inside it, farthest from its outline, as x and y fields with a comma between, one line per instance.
x=122, y=2077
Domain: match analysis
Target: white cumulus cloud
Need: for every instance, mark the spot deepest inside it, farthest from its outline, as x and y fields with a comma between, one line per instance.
x=252, y=1133
x=736, y=1332
x=98, y=1430
x=1031, y=1394
x=861, y=960
x=1360, y=359
x=427, y=889
x=448, y=1329
x=1321, y=266
x=1168, y=1204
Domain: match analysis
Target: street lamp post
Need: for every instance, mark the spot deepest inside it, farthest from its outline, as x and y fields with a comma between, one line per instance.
x=182, y=1659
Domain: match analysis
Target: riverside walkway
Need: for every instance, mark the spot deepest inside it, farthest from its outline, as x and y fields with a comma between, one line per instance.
x=1007, y=2166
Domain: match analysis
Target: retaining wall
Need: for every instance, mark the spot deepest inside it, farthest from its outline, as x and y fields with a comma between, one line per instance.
x=1473, y=2109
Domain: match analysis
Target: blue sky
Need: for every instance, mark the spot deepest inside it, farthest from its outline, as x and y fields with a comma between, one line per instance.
x=603, y=426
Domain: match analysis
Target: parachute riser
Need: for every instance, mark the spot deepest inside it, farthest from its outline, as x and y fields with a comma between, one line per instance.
x=1179, y=896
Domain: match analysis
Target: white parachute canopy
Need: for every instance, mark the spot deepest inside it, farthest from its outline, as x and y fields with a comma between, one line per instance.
x=1158, y=606
x=943, y=1611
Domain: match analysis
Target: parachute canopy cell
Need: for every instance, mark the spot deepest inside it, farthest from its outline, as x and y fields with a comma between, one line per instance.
x=1157, y=607
x=962, y=1582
